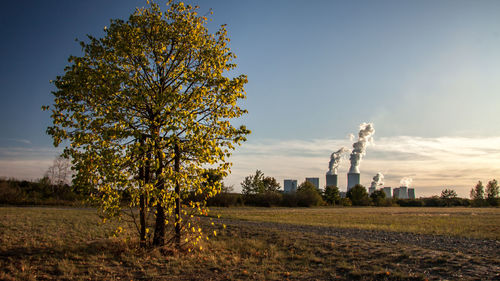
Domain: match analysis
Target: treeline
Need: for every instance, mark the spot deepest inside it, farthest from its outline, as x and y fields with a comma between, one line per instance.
x=263, y=191
x=41, y=192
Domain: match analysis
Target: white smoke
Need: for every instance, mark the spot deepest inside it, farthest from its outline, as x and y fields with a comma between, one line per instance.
x=365, y=136
x=335, y=159
x=406, y=181
x=378, y=180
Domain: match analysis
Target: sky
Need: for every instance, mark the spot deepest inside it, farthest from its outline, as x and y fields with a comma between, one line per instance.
x=425, y=73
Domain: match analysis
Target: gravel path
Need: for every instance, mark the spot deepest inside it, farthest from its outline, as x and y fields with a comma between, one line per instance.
x=471, y=246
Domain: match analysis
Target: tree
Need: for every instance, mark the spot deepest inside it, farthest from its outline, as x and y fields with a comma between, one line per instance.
x=258, y=183
x=308, y=195
x=448, y=194
x=477, y=192
x=331, y=195
x=358, y=195
x=147, y=109
x=378, y=197
x=492, y=189
x=492, y=193
x=59, y=172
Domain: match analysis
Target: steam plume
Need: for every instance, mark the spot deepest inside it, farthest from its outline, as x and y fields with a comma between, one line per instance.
x=406, y=181
x=335, y=160
x=378, y=180
x=365, y=136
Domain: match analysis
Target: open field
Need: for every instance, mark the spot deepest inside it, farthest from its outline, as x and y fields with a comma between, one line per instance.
x=461, y=222
x=72, y=244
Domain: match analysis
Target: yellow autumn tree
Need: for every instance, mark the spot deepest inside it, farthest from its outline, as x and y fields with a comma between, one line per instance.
x=146, y=111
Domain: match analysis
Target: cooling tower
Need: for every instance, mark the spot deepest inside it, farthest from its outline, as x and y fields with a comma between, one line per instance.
x=411, y=193
x=290, y=186
x=331, y=180
x=352, y=180
x=314, y=181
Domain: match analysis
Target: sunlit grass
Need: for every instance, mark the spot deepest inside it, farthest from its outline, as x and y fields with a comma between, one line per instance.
x=73, y=244
x=463, y=222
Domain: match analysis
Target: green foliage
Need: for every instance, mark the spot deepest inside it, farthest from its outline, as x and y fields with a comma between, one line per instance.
x=477, y=193
x=331, y=195
x=258, y=183
x=41, y=192
x=264, y=199
x=308, y=195
x=358, y=195
x=378, y=198
x=448, y=194
x=146, y=109
x=492, y=193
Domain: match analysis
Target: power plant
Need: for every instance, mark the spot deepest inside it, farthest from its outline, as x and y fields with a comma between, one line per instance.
x=365, y=137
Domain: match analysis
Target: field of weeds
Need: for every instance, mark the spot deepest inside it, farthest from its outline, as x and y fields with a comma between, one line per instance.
x=73, y=244
x=460, y=221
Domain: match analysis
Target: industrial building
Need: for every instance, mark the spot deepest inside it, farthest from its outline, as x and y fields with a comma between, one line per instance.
x=352, y=180
x=290, y=186
x=331, y=180
x=387, y=191
x=411, y=193
x=314, y=181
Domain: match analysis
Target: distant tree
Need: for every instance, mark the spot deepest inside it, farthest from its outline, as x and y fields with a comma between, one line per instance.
x=308, y=195
x=258, y=183
x=331, y=195
x=358, y=195
x=448, y=194
x=492, y=193
x=492, y=189
x=477, y=192
x=378, y=197
x=60, y=171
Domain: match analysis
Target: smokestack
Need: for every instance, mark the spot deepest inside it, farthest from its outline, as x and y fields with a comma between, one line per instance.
x=331, y=180
x=365, y=136
x=352, y=180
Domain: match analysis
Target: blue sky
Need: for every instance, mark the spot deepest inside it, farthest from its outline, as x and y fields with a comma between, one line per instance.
x=426, y=73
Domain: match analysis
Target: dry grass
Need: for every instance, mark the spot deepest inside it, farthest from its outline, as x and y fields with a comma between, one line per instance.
x=462, y=222
x=72, y=244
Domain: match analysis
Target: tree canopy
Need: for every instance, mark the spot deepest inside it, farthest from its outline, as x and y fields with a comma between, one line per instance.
x=147, y=108
x=259, y=183
x=358, y=195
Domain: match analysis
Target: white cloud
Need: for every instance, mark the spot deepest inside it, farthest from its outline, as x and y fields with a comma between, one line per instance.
x=432, y=163
x=27, y=163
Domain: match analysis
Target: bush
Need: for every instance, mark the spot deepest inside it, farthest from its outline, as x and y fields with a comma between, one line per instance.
x=225, y=200
x=289, y=200
x=358, y=196
x=266, y=199
x=410, y=202
x=345, y=202
x=308, y=198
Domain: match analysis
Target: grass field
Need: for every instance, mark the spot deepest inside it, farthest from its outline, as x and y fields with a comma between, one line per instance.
x=72, y=244
x=462, y=222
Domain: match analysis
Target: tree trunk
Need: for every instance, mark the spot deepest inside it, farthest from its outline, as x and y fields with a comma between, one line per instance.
x=159, y=236
x=142, y=215
x=144, y=176
x=177, y=199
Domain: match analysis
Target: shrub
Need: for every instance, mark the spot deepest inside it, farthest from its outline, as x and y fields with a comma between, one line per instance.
x=266, y=199
x=224, y=200
x=358, y=195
